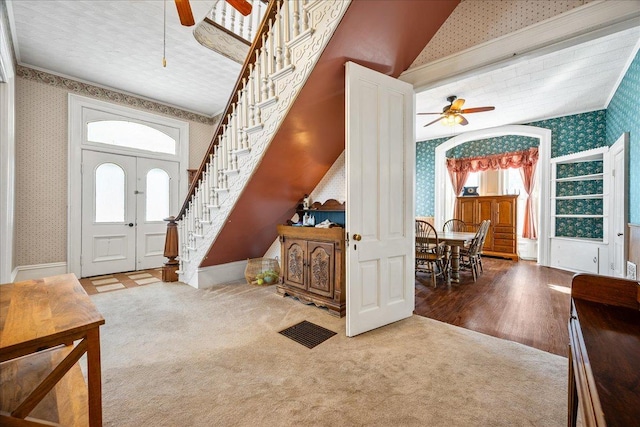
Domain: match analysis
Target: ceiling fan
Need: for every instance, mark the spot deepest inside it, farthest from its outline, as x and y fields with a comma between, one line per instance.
x=452, y=114
x=186, y=15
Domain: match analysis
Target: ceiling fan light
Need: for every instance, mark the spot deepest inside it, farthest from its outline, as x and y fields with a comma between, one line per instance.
x=451, y=119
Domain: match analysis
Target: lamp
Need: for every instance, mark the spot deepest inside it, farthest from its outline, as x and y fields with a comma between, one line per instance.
x=451, y=119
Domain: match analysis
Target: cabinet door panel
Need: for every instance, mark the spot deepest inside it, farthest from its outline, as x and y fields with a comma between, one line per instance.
x=321, y=268
x=485, y=211
x=467, y=210
x=294, y=260
x=505, y=214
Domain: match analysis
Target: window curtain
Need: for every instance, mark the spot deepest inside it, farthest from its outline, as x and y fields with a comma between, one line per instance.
x=525, y=160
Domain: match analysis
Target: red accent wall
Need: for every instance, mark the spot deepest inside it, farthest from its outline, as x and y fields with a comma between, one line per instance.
x=384, y=35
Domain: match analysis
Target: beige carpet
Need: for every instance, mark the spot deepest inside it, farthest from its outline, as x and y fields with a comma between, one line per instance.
x=176, y=356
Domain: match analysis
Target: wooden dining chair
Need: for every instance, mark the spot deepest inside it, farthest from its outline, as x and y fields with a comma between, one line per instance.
x=470, y=256
x=454, y=225
x=487, y=225
x=429, y=251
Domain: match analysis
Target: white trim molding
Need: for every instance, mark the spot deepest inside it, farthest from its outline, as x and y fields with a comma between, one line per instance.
x=584, y=23
x=78, y=108
x=7, y=150
x=207, y=277
x=443, y=185
x=38, y=271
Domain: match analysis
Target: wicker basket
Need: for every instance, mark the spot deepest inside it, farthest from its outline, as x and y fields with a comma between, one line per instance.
x=262, y=271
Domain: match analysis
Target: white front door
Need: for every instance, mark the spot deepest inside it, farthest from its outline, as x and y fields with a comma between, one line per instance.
x=618, y=205
x=380, y=164
x=124, y=202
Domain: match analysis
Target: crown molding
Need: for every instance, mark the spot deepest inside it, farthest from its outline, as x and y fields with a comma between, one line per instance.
x=87, y=89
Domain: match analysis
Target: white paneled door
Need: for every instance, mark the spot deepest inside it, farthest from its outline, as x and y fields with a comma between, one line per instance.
x=124, y=202
x=618, y=205
x=380, y=165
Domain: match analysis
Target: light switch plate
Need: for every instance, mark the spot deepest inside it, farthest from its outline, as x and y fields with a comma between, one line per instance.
x=631, y=271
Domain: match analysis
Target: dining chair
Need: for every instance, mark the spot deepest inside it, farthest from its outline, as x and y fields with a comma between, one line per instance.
x=487, y=224
x=454, y=225
x=429, y=251
x=470, y=256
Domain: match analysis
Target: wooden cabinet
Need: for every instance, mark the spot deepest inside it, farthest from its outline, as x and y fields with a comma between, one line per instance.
x=604, y=343
x=313, y=262
x=501, y=210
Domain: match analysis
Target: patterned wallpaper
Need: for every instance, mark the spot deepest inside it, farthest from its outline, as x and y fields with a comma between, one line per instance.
x=41, y=170
x=497, y=145
x=566, y=170
x=477, y=21
x=587, y=228
x=425, y=176
x=622, y=116
x=579, y=132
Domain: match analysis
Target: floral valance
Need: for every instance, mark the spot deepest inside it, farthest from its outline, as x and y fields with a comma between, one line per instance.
x=515, y=159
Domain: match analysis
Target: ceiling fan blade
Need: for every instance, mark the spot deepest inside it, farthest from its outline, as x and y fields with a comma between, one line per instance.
x=427, y=113
x=242, y=6
x=436, y=120
x=477, y=110
x=464, y=121
x=184, y=12
x=457, y=104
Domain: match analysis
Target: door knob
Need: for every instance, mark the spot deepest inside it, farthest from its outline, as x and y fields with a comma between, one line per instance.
x=357, y=237
x=620, y=234
x=130, y=224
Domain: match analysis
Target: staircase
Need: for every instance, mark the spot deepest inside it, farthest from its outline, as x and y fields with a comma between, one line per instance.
x=288, y=44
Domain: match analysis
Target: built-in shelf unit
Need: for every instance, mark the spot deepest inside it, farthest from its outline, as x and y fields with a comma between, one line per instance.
x=580, y=211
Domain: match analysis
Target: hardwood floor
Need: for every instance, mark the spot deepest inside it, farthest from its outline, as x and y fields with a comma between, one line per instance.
x=518, y=301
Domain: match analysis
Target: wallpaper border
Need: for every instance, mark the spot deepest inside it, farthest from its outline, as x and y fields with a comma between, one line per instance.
x=109, y=95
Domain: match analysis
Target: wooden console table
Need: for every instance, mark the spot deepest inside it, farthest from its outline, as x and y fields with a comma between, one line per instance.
x=604, y=351
x=40, y=320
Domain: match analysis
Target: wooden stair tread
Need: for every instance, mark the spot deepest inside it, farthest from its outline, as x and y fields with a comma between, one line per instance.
x=65, y=405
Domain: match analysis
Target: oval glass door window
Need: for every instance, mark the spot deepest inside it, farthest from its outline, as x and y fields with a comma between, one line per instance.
x=157, y=206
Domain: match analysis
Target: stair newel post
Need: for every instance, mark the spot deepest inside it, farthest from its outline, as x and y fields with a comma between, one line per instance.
x=170, y=269
x=296, y=18
x=287, y=35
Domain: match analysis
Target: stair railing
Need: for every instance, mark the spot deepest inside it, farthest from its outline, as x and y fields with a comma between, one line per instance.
x=269, y=57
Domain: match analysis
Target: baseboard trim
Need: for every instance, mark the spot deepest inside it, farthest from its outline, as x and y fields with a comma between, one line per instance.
x=207, y=277
x=37, y=271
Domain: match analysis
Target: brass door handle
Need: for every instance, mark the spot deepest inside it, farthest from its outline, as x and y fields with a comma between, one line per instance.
x=357, y=237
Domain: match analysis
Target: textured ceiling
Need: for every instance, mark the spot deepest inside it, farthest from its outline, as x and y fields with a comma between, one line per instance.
x=119, y=44
x=569, y=81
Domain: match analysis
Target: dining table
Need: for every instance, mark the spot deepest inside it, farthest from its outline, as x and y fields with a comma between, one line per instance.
x=455, y=240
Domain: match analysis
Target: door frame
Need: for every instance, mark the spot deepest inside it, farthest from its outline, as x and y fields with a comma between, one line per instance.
x=78, y=107
x=619, y=206
x=542, y=176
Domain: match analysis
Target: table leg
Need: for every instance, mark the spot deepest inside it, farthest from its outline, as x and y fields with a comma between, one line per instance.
x=94, y=373
x=455, y=263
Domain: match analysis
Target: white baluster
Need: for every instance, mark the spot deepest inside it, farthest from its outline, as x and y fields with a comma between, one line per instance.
x=305, y=18
x=245, y=114
x=296, y=18
x=287, y=34
x=278, y=41
x=264, y=69
x=251, y=101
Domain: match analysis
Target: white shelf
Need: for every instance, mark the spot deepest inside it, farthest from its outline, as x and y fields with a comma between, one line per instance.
x=580, y=196
x=592, y=177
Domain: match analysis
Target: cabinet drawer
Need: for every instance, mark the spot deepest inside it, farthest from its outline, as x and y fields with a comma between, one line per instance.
x=503, y=229
x=503, y=236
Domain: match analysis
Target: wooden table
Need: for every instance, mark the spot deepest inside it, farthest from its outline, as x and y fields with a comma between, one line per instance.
x=455, y=239
x=36, y=315
x=604, y=351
